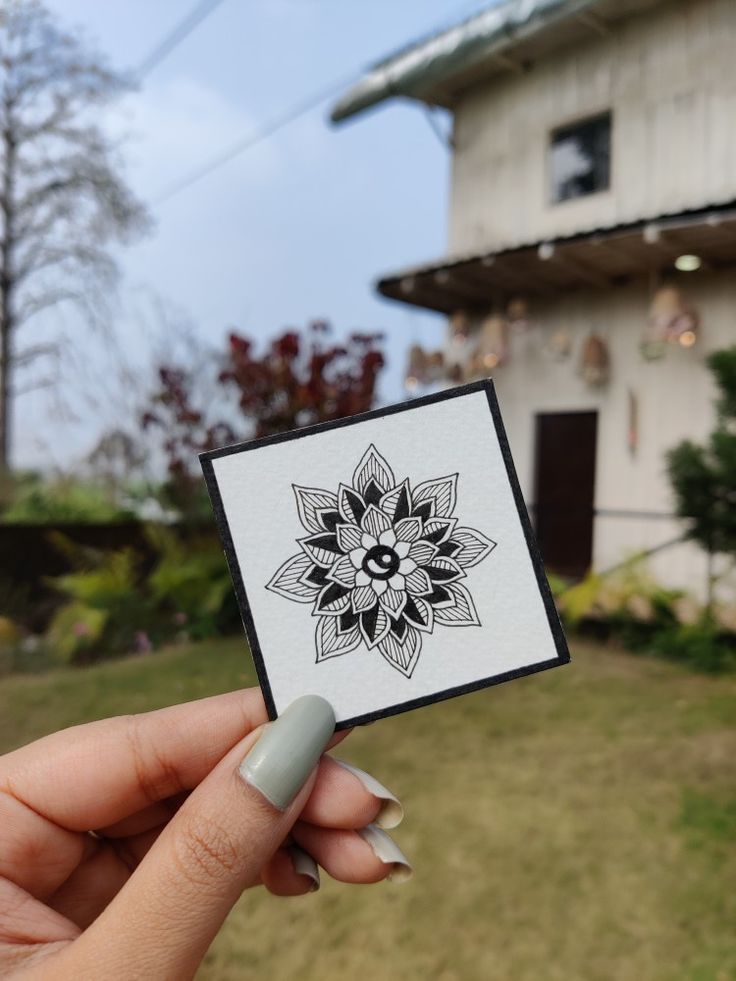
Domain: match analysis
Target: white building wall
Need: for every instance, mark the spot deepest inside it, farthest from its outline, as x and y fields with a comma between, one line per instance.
x=675, y=401
x=669, y=77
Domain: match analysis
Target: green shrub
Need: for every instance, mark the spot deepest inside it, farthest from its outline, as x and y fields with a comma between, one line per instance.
x=106, y=610
x=36, y=499
x=647, y=618
x=557, y=584
x=108, y=585
x=192, y=583
x=16, y=602
x=702, y=645
x=628, y=595
x=579, y=602
x=75, y=632
x=703, y=476
x=20, y=651
x=114, y=605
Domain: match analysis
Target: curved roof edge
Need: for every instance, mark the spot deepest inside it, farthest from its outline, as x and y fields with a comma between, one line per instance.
x=430, y=62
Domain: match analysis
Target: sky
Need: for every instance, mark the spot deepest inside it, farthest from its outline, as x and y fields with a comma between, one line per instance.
x=295, y=229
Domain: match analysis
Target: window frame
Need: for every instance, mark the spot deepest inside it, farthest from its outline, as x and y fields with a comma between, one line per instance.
x=571, y=125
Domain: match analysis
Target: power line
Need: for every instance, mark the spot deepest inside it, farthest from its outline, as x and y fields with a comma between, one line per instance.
x=182, y=30
x=268, y=129
x=257, y=136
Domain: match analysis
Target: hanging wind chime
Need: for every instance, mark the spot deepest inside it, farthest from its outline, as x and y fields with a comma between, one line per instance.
x=595, y=363
x=672, y=320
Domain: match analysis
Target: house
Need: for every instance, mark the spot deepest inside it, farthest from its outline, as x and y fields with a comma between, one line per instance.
x=591, y=263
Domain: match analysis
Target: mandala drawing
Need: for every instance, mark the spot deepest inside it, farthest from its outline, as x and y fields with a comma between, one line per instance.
x=382, y=563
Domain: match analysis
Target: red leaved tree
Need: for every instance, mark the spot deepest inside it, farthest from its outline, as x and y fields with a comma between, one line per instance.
x=300, y=379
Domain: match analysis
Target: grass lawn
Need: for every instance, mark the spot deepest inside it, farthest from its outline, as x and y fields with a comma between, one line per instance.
x=578, y=824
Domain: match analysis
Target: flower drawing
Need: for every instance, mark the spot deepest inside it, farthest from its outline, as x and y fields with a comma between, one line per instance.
x=382, y=563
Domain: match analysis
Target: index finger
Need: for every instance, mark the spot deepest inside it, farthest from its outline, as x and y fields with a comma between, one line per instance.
x=99, y=773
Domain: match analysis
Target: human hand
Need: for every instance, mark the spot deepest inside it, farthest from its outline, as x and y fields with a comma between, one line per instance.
x=125, y=843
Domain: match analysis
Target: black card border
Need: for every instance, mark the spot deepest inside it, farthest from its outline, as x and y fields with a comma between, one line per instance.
x=485, y=385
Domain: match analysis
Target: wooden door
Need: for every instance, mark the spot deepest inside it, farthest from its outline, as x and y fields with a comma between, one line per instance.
x=564, y=490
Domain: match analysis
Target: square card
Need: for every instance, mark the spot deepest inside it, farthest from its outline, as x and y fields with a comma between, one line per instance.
x=385, y=561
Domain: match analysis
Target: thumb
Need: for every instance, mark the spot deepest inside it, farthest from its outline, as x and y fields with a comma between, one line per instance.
x=165, y=917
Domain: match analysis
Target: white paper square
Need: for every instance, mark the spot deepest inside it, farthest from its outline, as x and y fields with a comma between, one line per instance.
x=448, y=620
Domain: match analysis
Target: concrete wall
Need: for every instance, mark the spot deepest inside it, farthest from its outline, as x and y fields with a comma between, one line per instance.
x=669, y=77
x=674, y=395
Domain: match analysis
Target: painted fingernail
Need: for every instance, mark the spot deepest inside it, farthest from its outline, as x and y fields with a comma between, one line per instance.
x=304, y=864
x=289, y=749
x=392, y=813
x=387, y=851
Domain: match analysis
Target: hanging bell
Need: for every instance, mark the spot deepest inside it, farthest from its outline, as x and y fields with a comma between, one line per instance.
x=671, y=320
x=457, y=353
x=435, y=365
x=492, y=348
x=559, y=344
x=459, y=327
x=517, y=313
x=416, y=367
x=594, y=361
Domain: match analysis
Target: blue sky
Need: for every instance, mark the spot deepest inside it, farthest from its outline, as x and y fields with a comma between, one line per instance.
x=295, y=229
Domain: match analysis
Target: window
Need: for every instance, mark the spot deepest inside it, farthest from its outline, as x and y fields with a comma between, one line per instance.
x=580, y=158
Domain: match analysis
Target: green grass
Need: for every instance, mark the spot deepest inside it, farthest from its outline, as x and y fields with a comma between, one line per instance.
x=578, y=824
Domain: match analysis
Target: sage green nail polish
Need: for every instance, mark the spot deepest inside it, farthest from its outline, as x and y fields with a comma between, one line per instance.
x=387, y=851
x=392, y=812
x=289, y=749
x=304, y=864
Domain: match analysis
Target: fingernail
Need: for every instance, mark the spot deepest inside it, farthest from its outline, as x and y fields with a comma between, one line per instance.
x=387, y=851
x=392, y=813
x=289, y=749
x=304, y=864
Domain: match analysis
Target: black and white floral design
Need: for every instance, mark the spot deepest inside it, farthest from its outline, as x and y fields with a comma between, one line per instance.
x=382, y=563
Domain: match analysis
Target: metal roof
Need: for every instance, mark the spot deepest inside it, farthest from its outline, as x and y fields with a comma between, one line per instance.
x=505, y=36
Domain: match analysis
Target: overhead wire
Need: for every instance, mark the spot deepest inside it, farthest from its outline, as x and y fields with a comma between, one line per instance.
x=174, y=38
x=279, y=122
x=256, y=136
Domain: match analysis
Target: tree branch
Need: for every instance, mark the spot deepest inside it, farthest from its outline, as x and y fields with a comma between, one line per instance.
x=33, y=387
x=29, y=355
x=45, y=257
x=62, y=198
x=50, y=298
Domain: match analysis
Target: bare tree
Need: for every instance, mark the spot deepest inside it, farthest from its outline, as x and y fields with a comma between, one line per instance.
x=63, y=201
